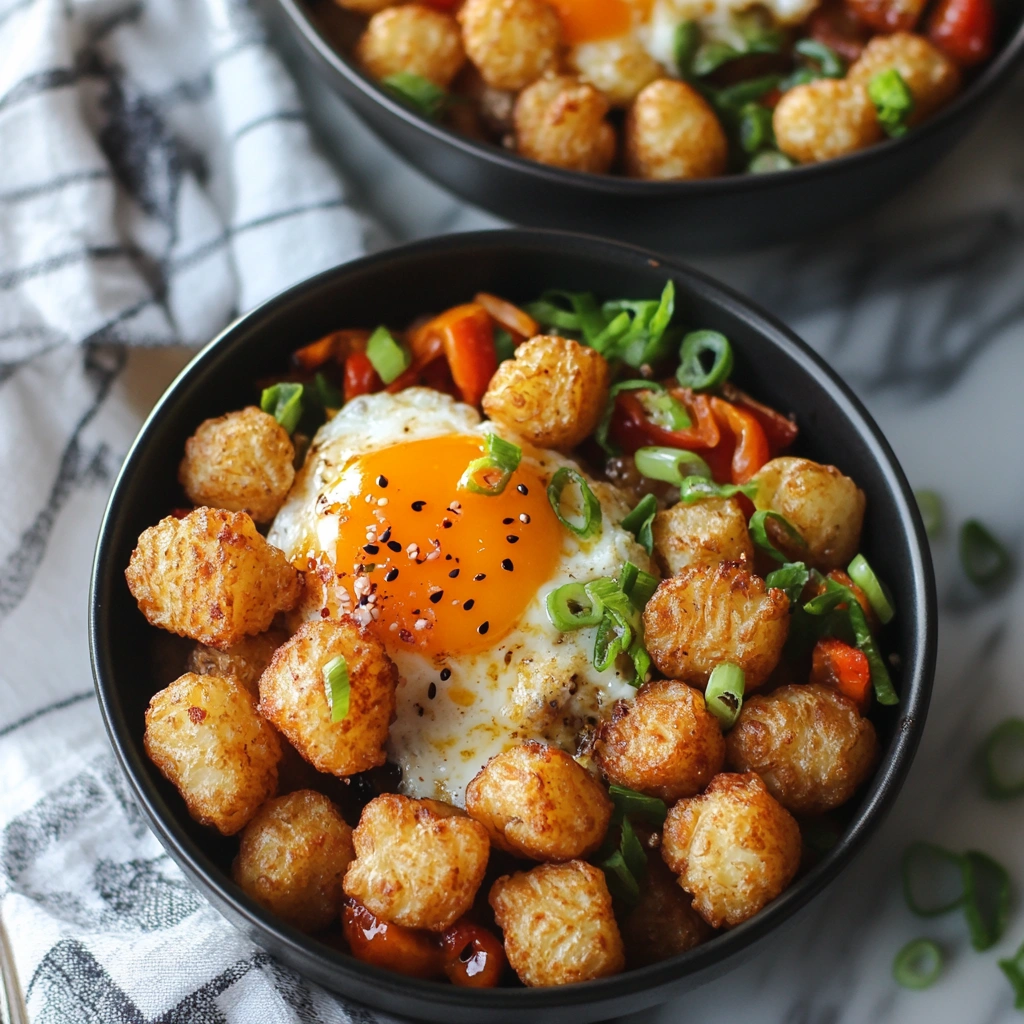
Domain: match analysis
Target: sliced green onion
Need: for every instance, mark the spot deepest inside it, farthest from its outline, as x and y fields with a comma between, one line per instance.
x=829, y=62
x=621, y=883
x=327, y=394
x=283, y=402
x=755, y=128
x=490, y=475
x=987, y=897
x=792, y=578
x=685, y=43
x=893, y=100
x=645, y=339
x=336, y=686
x=1006, y=737
x=758, y=32
x=983, y=557
x=928, y=863
x=710, y=56
x=724, y=693
x=665, y=410
x=637, y=585
x=571, y=607
x=672, y=465
x=769, y=161
x=918, y=964
x=801, y=76
x=696, y=345
x=1013, y=968
x=759, y=533
x=640, y=521
x=735, y=97
x=878, y=597
x=429, y=99
x=389, y=358
x=601, y=434
x=591, y=523
x=632, y=851
x=613, y=638
x=504, y=345
x=932, y=515
x=697, y=488
x=583, y=315
x=629, y=801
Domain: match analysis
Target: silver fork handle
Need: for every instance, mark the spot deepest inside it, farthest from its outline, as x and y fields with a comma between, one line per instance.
x=12, y=1003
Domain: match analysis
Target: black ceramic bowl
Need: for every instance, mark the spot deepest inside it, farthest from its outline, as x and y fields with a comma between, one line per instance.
x=720, y=214
x=132, y=660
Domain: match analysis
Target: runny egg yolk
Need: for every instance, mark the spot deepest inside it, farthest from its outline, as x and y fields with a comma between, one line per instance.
x=587, y=21
x=452, y=571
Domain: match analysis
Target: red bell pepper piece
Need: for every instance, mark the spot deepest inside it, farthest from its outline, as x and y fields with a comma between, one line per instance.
x=466, y=337
x=750, y=445
x=780, y=430
x=964, y=30
x=505, y=314
x=360, y=376
x=631, y=429
x=843, y=668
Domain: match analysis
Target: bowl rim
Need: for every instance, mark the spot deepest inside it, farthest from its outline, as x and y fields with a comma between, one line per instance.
x=992, y=75
x=650, y=980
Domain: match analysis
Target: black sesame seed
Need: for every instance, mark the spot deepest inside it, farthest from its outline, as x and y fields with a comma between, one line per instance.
x=419, y=710
x=405, y=636
x=417, y=506
x=508, y=521
x=453, y=574
x=385, y=536
x=446, y=674
x=371, y=549
x=448, y=558
x=394, y=545
x=506, y=564
x=523, y=489
x=432, y=691
x=391, y=575
x=469, y=605
x=480, y=576
x=436, y=596
x=415, y=611
x=446, y=523
x=483, y=627
x=382, y=481
x=512, y=539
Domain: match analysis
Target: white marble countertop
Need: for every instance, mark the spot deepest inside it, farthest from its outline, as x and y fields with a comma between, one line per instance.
x=921, y=309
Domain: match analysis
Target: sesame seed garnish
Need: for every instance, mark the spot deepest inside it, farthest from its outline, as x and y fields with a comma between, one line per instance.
x=391, y=575
x=361, y=586
x=371, y=549
x=446, y=674
x=523, y=489
x=382, y=481
x=368, y=499
x=405, y=636
x=417, y=506
x=421, y=624
x=483, y=627
x=382, y=502
x=508, y=521
x=413, y=550
x=394, y=545
x=455, y=506
x=436, y=596
x=375, y=614
x=393, y=627
x=453, y=574
x=506, y=564
x=432, y=691
x=523, y=517
x=362, y=616
x=468, y=606
x=480, y=576
x=512, y=539
x=386, y=535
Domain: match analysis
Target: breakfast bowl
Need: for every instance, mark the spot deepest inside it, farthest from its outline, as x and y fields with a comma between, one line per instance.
x=132, y=660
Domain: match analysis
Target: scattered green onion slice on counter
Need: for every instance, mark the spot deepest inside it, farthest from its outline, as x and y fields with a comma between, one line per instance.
x=893, y=100
x=918, y=964
x=389, y=358
x=877, y=594
x=665, y=410
x=697, y=488
x=327, y=394
x=591, y=511
x=1013, y=968
x=490, y=475
x=696, y=346
x=283, y=402
x=987, y=897
x=755, y=128
x=629, y=801
x=336, y=686
x=984, y=558
x=685, y=43
x=504, y=345
x=601, y=434
x=571, y=607
x=759, y=533
x=640, y=522
x=672, y=465
x=830, y=64
x=925, y=865
x=1005, y=738
x=769, y=161
x=429, y=99
x=724, y=693
x=792, y=578
x=932, y=516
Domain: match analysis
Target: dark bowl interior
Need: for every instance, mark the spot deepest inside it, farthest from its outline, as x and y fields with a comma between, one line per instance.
x=131, y=660
x=714, y=215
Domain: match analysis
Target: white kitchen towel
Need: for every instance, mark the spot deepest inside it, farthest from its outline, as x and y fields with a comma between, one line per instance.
x=157, y=176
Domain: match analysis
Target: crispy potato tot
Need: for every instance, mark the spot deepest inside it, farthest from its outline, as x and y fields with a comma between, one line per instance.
x=826, y=507
x=672, y=133
x=665, y=743
x=293, y=698
x=536, y=801
x=511, y=42
x=243, y=462
x=710, y=531
x=808, y=743
x=561, y=121
x=204, y=735
x=933, y=79
x=244, y=662
x=558, y=924
x=620, y=67
x=663, y=923
x=734, y=848
x=418, y=863
x=825, y=119
x=293, y=857
x=714, y=613
x=211, y=576
x=414, y=38
x=553, y=392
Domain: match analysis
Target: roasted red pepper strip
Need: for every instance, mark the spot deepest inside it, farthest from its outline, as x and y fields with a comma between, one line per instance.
x=844, y=668
x=466, y=335
x=964, y=30
x=631, y=429
x=516, y=321
x=780, y=430
x=750, y=451
x=360, y=376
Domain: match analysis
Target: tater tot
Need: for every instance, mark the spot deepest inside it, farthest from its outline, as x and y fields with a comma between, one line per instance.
x=808, y=743
x=714, y=613
x=413, y=38
x=553, y=392
x=558, y=924
x=211, y=576
x=672, y=133
x=204, y=735
x=825, y=119
x=242, y=462
x=710, y=531
x=734, y=847
x=826, y=508
x=418, y=863
x=932, y=78
x=293, y=857
x=664, y=743
x=511, y=42
x=244, y=662
x=561, y=121
x=620, y=67
x=536, y=801
x=294, y=699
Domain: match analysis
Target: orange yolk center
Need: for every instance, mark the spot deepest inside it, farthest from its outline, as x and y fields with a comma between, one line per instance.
x=452, y=571
x=586, y=21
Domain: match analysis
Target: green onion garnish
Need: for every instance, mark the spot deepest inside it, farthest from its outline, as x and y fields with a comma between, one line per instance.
x=429, y=99
x=932, y=516
x=336, y=686
x=755, y=128
x=504, y=346
x=768, y=162
x=685, y=43
x=601, y=434
x=621, y=883
x=613, y=637
x=490, y=475
x=621, y=629
x=893, y=100
x=697, y=488
x=1007, y=737
x=983, y=557
x=283, y=402
x=987, y=897
x=591, y=523
x=792, y=578
x=878, y=597
x=938, y=869
x=710, y=56
x=629, y=801
x=327, y=394
x=724, y=693
x=637, y=585
x=672, y=465
x=1013, y=968
x=640, y=521
x=665, y=410
x=633, y=851
x=733, y=98
x=389, y=358
x=918, y=964
x=696, y=346
x=644, y=338
x=759, y=533
x=571, y=607
x=830, y=64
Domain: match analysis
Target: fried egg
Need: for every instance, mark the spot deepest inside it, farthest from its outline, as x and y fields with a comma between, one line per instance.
x=454, y=583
